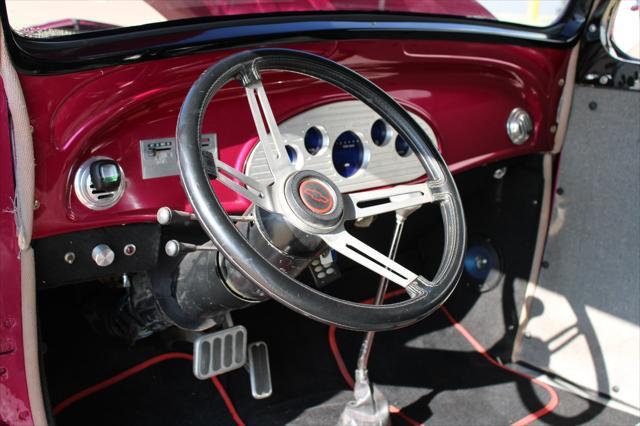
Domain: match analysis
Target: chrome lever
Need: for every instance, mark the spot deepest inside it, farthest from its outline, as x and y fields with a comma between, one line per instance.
x=369, y=402
x=167, y=216
x=174, y=248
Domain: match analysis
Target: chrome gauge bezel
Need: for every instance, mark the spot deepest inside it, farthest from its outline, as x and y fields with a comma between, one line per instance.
x=87, y=196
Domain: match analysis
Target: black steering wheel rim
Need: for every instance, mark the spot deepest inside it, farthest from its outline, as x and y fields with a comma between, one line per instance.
x=242, y=255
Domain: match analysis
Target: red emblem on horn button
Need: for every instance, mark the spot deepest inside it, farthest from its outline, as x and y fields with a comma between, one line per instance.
x=317, y=196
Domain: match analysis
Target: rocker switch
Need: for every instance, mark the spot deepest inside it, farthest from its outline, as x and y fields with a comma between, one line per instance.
x=105, y=175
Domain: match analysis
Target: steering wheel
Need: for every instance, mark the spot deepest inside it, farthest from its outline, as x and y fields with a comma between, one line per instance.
x=311, y=202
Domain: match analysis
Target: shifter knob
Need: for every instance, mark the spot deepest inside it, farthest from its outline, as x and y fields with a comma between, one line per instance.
x=103, y=255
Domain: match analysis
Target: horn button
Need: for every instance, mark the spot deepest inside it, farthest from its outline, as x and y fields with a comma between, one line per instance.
x=314, y=198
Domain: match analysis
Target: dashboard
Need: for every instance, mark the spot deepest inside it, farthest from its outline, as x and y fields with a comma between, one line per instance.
x=462, y=94
x=347, y=142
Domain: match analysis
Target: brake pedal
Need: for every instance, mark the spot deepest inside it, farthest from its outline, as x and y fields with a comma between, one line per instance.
x=259, y=371
x=219, y=352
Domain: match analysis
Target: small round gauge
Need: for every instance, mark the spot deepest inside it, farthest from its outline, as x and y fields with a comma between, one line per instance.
x=402, y=147
x=348, y=154
x=314, y=140
x=380, y=132
x=292, y=153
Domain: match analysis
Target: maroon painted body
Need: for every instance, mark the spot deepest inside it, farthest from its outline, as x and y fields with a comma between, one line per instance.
x=464, y=90
x=14, y=397
x=198, y=8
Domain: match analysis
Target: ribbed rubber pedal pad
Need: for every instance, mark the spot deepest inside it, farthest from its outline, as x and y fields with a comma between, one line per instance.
x=219, y=352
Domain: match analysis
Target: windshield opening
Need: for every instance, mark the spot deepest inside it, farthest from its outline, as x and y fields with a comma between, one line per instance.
x=59, y=18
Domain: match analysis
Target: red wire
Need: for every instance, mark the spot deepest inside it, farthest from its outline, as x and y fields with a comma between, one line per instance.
x=138, y=368
x=227, y=401
x=551, y=405
x=553, y=395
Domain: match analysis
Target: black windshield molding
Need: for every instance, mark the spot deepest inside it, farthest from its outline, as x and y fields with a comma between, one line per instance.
x=175, y=38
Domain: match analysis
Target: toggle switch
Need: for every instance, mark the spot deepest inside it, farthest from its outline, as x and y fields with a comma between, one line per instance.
x=105, y=175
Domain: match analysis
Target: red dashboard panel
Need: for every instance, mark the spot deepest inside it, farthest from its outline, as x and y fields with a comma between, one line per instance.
x=464, y=90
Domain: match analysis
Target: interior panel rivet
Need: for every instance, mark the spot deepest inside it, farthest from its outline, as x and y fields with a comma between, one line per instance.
x=499, y=173
x=553, y=128
x=69, y=257
x=616, y=388
x=129, y=249
x=593, y=105
x=561, y=82
x=36, y=204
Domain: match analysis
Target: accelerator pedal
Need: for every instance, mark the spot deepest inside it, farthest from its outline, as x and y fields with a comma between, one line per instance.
x=219, y=352
x=259, y=371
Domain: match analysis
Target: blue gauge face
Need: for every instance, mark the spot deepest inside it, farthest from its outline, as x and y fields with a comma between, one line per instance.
x=402, y=147
x=347, y=154
x=380, y=132
x=313, y=140
x=292, y=153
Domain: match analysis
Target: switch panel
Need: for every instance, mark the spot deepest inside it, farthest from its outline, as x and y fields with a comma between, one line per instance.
x=159, y=157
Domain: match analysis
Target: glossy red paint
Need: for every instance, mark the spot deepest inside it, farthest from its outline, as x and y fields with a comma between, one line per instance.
x=464, y=90
x=14, y=407
x=199, y=8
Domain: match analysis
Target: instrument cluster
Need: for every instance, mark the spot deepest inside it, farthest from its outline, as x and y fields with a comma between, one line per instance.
x=349, y=143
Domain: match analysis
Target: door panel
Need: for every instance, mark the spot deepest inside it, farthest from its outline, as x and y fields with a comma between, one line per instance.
x=585, y=312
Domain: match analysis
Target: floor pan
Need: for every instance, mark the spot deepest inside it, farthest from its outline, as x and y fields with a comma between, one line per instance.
x=429, y=370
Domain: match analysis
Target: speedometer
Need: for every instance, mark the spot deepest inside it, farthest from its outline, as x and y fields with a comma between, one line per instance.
x=348, y=154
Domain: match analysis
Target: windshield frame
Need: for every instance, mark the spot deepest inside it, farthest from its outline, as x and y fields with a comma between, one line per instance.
x=117, y=46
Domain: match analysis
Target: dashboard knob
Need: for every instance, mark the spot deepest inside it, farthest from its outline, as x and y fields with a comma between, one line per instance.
x=103, y=255
x=519, y=126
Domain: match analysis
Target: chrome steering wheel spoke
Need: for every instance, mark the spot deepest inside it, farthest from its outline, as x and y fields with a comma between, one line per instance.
x=348, y=245
x=272, y=141
x=252, y=190
x=378, y=201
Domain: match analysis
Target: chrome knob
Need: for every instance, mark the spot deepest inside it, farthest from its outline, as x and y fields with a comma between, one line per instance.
x=519, y=126
x=103, y=255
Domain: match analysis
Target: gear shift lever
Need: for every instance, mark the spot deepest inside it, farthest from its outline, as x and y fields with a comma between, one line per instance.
x=370, y=407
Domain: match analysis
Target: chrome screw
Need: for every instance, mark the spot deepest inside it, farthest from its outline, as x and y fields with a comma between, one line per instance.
x=500, y=173
x=69, y=257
